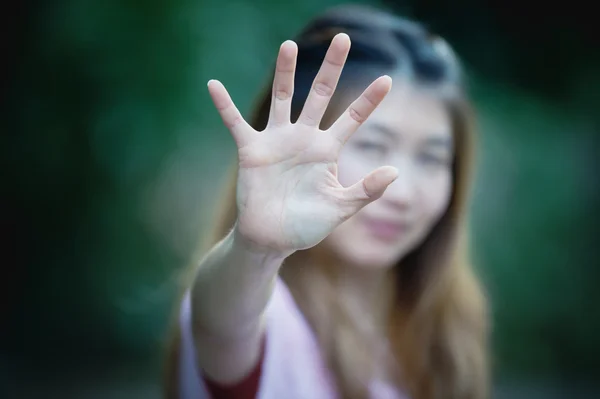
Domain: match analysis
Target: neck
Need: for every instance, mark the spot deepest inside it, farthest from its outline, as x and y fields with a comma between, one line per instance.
x=367, y=297
x=364, y=296
x=367, y=294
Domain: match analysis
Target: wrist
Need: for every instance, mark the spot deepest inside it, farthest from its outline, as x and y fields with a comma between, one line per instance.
x=252, y=248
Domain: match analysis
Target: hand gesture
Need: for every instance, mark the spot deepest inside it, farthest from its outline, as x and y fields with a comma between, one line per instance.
x=288, y=194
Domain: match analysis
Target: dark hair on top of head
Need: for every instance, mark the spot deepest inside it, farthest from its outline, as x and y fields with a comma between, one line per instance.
x=381, y=43
x=381, y=39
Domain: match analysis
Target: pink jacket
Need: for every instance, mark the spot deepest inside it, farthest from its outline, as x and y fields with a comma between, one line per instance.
x=292, y=368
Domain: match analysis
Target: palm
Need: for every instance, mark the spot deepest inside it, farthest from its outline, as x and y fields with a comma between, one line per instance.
x=295, y=192
x=288, y=194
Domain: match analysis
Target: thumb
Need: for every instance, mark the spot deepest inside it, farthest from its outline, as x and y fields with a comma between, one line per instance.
x=369, y=188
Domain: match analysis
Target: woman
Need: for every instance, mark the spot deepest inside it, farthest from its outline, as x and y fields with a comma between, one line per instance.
x=339, y=267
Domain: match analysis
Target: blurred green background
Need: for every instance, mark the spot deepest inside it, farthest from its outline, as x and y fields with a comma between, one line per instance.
x=113, y=158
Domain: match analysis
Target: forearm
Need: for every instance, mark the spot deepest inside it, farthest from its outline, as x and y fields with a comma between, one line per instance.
x=231, y=289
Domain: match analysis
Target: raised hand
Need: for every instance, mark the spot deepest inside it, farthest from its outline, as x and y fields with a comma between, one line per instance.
x=288, y=194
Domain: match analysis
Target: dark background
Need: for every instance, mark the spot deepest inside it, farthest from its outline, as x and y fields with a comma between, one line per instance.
x=112, y=160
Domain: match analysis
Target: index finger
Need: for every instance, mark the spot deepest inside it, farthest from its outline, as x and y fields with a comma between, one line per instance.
x=361, y=108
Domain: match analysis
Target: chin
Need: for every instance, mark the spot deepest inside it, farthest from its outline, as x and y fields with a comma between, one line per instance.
x=367, y=255
x=352, y=245
x=377, y=257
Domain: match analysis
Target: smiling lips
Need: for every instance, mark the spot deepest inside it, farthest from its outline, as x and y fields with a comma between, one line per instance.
x=384, y=229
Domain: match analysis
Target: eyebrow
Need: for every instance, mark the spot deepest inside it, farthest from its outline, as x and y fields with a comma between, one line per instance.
x=436, y=141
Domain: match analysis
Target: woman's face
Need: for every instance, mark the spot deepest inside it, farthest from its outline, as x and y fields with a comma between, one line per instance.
x=412, y=131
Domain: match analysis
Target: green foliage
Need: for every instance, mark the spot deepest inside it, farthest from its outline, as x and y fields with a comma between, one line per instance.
x=534, y=233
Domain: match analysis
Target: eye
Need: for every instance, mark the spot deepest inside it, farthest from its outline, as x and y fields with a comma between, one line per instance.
x=371, y=147
x=431, y=159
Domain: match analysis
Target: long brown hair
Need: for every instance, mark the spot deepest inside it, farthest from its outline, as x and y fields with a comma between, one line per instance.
x=438, y=328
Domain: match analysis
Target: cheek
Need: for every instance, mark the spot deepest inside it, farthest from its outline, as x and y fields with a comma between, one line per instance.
x=429, y=206
x=435, y=197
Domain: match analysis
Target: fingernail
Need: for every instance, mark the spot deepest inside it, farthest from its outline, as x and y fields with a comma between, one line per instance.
x=392, y=173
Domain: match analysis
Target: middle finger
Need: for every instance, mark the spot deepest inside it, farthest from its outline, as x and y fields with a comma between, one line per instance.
x=326, y=81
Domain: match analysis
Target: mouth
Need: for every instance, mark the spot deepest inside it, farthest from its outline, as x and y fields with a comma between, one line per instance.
x=385, y=229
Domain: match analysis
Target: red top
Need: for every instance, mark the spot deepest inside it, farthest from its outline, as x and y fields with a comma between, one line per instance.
x=247, y=388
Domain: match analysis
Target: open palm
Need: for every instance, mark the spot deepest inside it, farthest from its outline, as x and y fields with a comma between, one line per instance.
x=288, y=194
